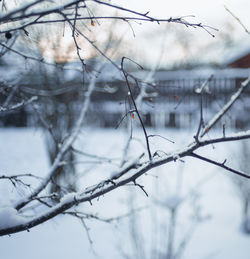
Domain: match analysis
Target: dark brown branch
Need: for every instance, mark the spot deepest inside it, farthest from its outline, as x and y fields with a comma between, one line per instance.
x=235, y=137
x=135, y=107
x=123, y=117
x=21, y=14
x=222, y=165
x=141, y=187
x=15, y=179
x=121, y=18
x=157, y=135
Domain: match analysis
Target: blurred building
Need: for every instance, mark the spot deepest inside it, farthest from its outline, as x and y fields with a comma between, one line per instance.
x=240, y=59
x=175, y=102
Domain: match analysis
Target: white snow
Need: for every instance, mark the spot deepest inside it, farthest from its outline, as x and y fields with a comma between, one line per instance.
x=173, y=201
x=68, y=198
x=10, y=218
x=220, y=236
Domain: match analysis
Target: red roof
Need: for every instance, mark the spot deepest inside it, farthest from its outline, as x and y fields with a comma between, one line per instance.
x=242, y=62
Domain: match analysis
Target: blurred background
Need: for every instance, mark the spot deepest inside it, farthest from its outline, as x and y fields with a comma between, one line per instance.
x=193, y=210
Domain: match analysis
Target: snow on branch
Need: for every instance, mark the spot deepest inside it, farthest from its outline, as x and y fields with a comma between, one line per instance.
x=13, y=220
x=130, y=173
x=237, y=19
x=18, y=105
x=64, y=147
x=226, y=107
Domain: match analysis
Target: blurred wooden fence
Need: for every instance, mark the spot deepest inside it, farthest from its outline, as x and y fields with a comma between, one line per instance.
x=176, y=105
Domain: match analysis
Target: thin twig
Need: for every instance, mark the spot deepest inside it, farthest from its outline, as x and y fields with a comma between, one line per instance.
x=237, y=19
x=222, y=165
x=226, y=107
x=135, y=107
x=18, y=105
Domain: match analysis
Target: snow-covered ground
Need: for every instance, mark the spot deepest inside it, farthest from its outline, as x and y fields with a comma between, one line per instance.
x=188, y=185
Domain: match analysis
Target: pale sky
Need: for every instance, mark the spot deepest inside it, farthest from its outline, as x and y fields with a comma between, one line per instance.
x=210, y=12
x=147, y=45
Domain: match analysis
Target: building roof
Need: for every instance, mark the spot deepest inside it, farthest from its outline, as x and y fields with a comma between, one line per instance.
x=241, y=62
x=238, y=56
x=203, y=73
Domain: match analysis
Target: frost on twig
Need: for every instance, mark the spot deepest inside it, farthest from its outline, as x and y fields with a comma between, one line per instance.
x=237, y=19
x=226, y=107
x=18, y=105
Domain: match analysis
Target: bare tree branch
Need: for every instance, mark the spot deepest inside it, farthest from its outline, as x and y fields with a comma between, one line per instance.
x=135, y=107
x=238, y=20
x=71, y=12
x=65, y=147
x=226, y=107
x=18, y=105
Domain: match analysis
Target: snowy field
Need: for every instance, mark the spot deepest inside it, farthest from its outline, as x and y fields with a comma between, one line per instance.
x=192, y=186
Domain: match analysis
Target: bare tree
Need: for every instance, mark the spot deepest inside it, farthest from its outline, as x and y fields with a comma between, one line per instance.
x=60, y=100
x=243, y=186
x=18, y=20
x=241, y=160
x=167, y=238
